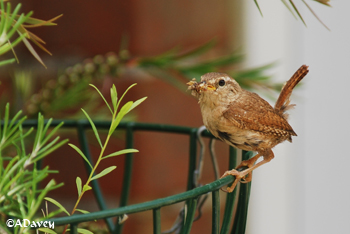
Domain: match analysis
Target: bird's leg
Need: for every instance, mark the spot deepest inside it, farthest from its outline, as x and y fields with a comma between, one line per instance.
x=250, y=163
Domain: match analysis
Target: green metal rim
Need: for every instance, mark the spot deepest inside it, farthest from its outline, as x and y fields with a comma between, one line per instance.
x=194, y=193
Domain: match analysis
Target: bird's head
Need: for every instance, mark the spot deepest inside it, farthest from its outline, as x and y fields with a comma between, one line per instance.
x=215, y=88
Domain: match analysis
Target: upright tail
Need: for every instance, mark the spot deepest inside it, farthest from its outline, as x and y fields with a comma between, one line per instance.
x=283, y=102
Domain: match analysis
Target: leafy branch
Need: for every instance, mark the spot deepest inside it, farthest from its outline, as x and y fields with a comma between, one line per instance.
x=293, y=9
x=20, y=195
x=69, y=90
x=12, y=23
x=117, y=116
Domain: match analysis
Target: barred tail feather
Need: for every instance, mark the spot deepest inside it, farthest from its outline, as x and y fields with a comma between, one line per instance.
x=283, y=102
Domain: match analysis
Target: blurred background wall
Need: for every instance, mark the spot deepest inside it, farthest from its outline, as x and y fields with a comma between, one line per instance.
x=305, y=189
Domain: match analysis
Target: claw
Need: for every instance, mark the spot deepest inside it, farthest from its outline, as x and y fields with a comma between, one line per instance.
x=238, y=176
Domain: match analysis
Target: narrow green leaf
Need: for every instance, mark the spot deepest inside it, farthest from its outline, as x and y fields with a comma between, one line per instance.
x=159, y=61
x=53, y=201
x=37, y=41
x=38, y=22
x=31, y=195
x=84, y=231
x=325, y=2
x=310, y=9
x=6, y=120
x=81, y=154
x=86, y=188
x=104, y=172
x=136, y=103
x=3, y=20
x=32, y=51
x=52, y=132
x=125, y=109
x=79, y=185
x=124, y=95
x=14, y=118
x=15, y=12
x=47, y=230
x=10, y=45
x=82, y=211
x=10, y=169
x=297, y=11
x=6, y=62
x=44, y=148
x=50, y=148
x=125, y=151
x=21, y=205
x=102, y=97
x=22, y=151
x=93, y=128
x=214, y=63
x=34, y=207
x=114, y=97
x=46, y=127
x=288, y=7
x=17, y=26
x=197, y=51
x=257, y=5
x=14, y=180
x=39, y=131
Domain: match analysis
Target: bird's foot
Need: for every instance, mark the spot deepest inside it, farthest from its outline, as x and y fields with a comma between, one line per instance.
x=239, y=176
x=248, y=176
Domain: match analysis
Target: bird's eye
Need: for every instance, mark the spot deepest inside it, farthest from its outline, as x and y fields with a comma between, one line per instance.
x=222, y=82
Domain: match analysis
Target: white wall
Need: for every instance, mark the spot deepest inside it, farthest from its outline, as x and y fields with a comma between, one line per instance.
x=306, y=188
x=327, y=191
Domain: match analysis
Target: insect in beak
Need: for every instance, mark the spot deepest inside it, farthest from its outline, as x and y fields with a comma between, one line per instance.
x=192, y=82
x=204, y=87
x=199, y=86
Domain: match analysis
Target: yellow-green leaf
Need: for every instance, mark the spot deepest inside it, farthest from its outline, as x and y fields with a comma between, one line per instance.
x=93, y=128
x=114, y=97
x=84, y=231
x=32, y=51
x=81, y=154
x=136, y=103
x=120, y=152
x=104, y=172
x=38, y=22
x=102, y=97
x=53, y=201
x=86, y=188
x=47, y=230
x=79, y=185
x=82, y=211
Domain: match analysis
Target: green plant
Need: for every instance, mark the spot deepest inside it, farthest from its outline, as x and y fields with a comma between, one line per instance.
x=117, y=116
x=12, y=23
x=293, y=9
x=172, y=66
x=69, y=91
x=20, y=193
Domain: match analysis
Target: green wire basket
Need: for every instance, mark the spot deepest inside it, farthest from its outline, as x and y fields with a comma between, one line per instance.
x=236, y=203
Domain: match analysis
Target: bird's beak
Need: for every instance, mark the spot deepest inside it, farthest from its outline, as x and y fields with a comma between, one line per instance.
x=210, y=87
x=201, y=86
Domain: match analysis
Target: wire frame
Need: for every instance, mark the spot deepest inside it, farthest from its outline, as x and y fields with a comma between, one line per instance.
x=234, y=219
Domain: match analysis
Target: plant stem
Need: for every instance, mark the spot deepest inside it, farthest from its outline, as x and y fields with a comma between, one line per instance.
x=91, y=174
